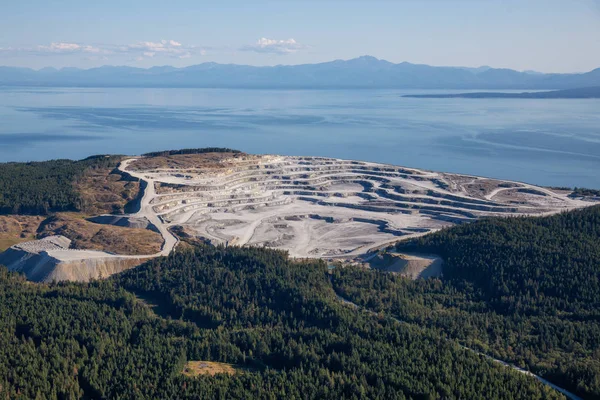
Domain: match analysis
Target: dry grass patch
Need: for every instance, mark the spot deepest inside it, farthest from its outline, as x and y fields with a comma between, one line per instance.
x=482, y=187
x=191, y=161
x=197, y=368
x=91, y=236
x=17, y=228
x=105, y=192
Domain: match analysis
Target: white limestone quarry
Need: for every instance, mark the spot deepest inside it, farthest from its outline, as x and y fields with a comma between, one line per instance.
x=325, y=207
x=310, y=206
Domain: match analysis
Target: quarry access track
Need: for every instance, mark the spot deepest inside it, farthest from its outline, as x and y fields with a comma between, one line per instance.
x=324, y=207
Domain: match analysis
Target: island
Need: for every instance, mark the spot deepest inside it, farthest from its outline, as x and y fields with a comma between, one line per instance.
x=578, y=93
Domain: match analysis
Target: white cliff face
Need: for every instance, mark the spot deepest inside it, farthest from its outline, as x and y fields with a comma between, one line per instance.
x=85, y=270
x=50, y=259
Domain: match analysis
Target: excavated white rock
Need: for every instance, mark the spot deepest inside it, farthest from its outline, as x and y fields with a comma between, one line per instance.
x=324, y=207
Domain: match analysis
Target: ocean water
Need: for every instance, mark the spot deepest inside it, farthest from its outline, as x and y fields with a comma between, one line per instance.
x=545, y=142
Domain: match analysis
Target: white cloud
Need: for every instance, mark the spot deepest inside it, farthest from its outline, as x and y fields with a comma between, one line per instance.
x=55, y=48
x=169, y=48
x=60, y=47
x=273, y=46
x=138, y=51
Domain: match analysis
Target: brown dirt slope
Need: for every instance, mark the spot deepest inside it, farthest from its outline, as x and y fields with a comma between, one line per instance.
x=17, y=228
x=412, y=266
x=91, y=236
x=104, y=191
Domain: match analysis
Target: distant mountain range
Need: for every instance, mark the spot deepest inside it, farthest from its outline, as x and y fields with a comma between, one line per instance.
x=579, y=93
x=364, y=72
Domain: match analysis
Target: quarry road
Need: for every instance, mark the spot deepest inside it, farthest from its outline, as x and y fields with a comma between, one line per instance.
x=540, y=189
x=319, y=207
x=146, y=208
x=565, y=392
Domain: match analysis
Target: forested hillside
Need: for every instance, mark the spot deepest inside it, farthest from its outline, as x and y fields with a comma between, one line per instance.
x=37, y=188
x=277, y=321
x=526, y=290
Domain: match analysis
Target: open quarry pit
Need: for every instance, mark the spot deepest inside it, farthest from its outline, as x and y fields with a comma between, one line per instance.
x=310, y=206
x=324, y=207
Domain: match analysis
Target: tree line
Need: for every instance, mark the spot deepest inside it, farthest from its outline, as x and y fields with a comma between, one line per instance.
x=255, y=308
x=525, y=290
x=39, y=188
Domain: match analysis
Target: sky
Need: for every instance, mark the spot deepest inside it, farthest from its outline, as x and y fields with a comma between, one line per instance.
x=540, y=35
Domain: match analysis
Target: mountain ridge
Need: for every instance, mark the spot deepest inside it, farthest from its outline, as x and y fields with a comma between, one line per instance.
x=365, y=72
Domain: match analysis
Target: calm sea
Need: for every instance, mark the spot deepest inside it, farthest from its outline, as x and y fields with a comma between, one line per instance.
x=546, y=142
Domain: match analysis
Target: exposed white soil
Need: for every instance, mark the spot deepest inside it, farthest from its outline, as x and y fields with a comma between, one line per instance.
x=324, y=207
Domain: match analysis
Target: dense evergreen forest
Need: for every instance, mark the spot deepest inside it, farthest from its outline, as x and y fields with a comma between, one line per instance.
x=583, y=192
x=526, y=290
x=37, y=188
x=279, y=321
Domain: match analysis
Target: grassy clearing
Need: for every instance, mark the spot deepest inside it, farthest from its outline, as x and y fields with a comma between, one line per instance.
x=103, y=191
x=84, y=234
x=92, y=236
x=197, y=368
x=7, y=241
x=17, y=228
x=183, y=161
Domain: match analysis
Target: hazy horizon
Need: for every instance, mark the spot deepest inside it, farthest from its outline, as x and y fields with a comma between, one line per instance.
x=502, y=34
x=474, y=67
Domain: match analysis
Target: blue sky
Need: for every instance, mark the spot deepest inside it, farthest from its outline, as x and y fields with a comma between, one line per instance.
x=543, y=35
